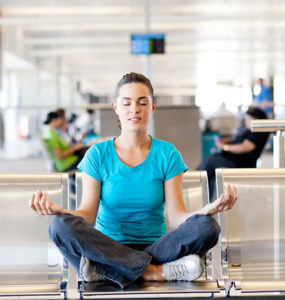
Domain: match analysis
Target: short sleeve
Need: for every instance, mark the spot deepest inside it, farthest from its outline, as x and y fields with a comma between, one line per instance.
x=257, y=138
x=175, y=164
x=90, y=164
x=52, y=143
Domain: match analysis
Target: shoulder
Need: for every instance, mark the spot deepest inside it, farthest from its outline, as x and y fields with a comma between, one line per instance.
x=165, y=151
x=169, y=158
x=93, y=159
x=49, y=133
x=101, y=148
x=163, y=145
x=256, y=137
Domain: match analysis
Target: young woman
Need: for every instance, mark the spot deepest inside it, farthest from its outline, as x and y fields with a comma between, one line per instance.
x=127, y=181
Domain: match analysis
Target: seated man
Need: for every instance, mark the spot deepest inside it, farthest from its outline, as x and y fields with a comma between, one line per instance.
x=242, y=152
x=63, y=155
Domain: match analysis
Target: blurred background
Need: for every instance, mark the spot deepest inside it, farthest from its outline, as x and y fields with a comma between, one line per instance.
x=70, y=54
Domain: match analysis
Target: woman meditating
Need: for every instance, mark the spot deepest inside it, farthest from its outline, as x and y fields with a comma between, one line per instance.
x=118, y=233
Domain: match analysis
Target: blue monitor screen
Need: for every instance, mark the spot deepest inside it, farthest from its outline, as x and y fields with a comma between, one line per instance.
x=147, y=43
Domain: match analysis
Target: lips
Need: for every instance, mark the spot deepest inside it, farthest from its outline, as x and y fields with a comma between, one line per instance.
x=134, y=119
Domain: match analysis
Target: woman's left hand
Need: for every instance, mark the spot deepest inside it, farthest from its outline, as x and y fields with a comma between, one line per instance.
x=225, y=202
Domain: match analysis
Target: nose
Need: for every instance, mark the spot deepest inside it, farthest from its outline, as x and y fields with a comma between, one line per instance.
x=135, y=107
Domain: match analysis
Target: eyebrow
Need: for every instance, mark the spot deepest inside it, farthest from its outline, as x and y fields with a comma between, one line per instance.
x=139, y=98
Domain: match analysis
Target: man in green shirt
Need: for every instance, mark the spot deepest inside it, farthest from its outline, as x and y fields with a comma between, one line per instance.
x=61, y=153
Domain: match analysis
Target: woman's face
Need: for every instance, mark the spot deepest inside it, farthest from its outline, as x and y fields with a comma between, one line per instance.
x=134, y=106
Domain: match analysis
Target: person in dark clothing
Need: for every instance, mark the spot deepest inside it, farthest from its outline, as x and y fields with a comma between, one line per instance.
x=242, y=151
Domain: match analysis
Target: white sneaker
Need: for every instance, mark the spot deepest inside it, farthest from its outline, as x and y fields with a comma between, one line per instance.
x=89, y=271
x=186, y=268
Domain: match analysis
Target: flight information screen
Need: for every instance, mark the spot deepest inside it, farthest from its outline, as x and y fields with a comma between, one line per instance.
x=147, y=43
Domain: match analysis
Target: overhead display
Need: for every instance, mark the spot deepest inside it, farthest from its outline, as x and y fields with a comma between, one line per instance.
x=147, y=43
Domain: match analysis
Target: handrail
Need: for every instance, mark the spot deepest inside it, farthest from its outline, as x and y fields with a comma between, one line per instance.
x=267, y=125
x=277, y=126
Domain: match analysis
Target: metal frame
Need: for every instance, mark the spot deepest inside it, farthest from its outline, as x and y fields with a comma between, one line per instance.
x=205, y=187
x=65, y=190
x=277, y=126
x=267, y=125
x=222, y=271
x=153, y=290
x=215, y=252
x=237, y=286
x=52, y=290
x=78, y=184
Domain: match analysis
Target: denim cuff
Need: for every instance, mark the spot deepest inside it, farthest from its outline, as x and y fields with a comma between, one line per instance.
x=121, y=280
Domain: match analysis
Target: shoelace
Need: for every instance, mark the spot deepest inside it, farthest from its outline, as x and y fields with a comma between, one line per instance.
x=177, y=269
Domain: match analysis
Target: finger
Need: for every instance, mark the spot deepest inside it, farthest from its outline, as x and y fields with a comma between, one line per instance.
x=220, y=199
x=43, y=204
x=232, y=192
x=229, y=191
x=31, y=202
x=48, y=207
x=226, y=191
x=235, y=195
x=229, y=194
x=225, y=205
x=37, y=200
x=230, y=197
x=219, y=204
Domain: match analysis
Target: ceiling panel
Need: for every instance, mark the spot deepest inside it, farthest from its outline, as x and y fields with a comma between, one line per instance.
x=233, y=40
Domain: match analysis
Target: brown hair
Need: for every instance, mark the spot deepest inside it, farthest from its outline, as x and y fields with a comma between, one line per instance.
x=132, y=78
x=60, y=112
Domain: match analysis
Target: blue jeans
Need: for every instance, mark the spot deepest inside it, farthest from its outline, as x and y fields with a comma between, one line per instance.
x=123, y=264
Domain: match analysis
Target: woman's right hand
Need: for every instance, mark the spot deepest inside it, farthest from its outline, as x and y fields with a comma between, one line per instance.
x=42, y=206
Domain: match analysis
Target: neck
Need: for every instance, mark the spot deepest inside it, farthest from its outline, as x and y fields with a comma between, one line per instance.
x=134, y=140
x=52, y=125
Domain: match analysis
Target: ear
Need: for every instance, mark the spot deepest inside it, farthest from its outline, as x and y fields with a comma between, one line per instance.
x=153, y=106
x=115, y=106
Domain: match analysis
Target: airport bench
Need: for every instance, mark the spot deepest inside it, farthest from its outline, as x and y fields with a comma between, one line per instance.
x=253, y=232
x=30, y=264
x=196, y=195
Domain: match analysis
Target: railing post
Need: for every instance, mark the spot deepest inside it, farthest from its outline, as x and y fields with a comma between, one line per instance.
x=277, y=126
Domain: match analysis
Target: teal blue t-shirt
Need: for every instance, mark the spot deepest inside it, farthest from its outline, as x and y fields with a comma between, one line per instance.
x=131, y=208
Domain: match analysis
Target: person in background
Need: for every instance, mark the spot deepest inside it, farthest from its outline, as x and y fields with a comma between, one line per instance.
x=63, y=132
x=62, y=154
x=242, y=151
x=84, y=124
x=119, y=231
x=263, y=98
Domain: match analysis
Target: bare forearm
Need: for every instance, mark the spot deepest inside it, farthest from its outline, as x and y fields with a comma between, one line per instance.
x=225, y=202
x=62, y=154
x=235, y=148
x=182, y=217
